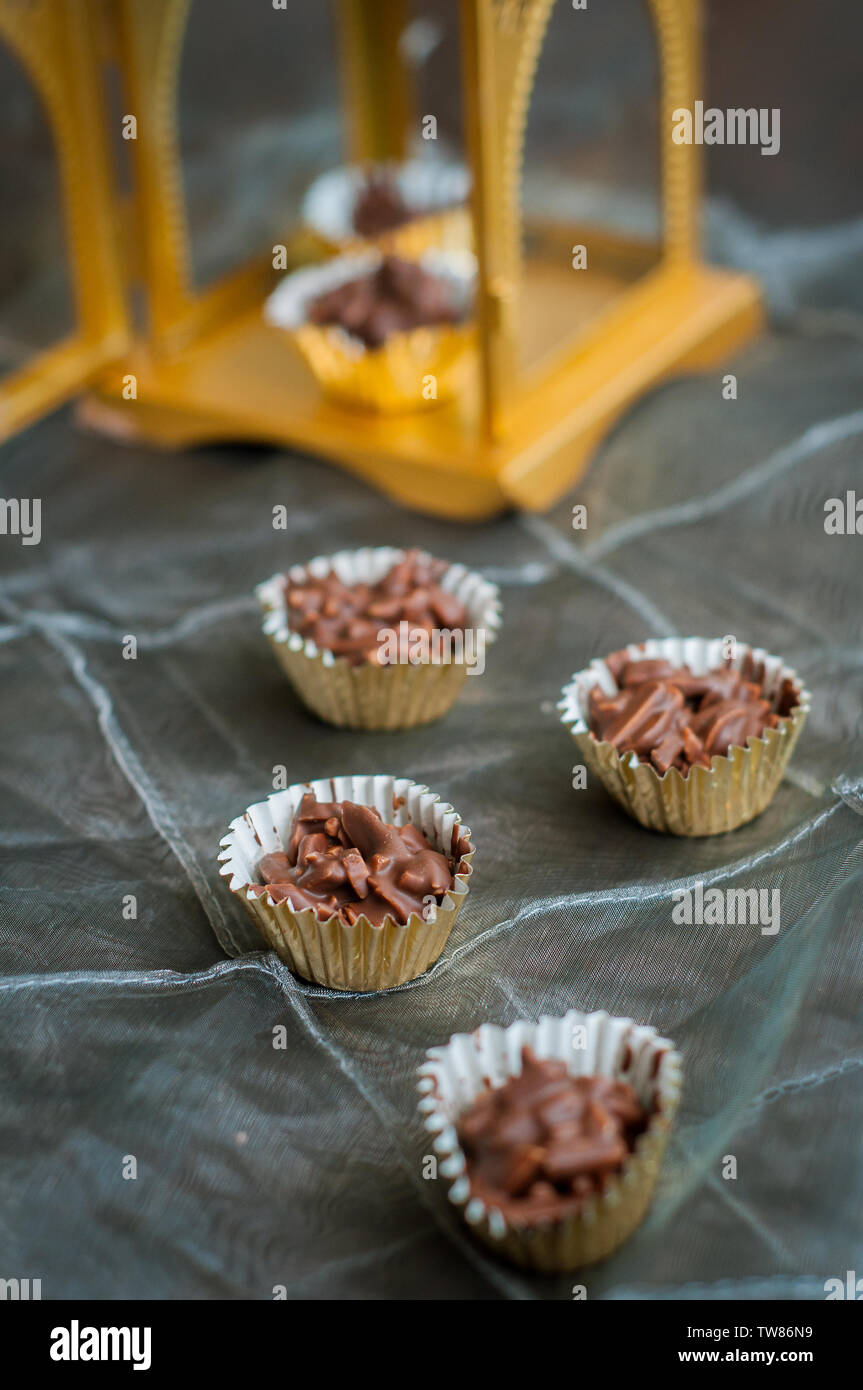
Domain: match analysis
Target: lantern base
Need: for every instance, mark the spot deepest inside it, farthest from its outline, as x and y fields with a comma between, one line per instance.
x=245, y=380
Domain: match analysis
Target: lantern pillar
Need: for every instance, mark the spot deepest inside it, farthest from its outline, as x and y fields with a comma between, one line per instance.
x=376, y=82
x=501, y=41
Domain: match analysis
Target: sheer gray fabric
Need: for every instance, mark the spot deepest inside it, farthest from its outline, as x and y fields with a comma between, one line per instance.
x=153, y=1037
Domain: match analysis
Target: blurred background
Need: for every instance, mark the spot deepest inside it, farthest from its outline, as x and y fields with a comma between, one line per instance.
x=259, y=119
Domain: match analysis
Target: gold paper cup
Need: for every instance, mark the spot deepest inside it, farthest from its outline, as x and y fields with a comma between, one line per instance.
x=707, y=801
x=449, y=230
x=590, y=1045
x=413, y=370
x=371, y=696
x=435, y=190
x=358, y=956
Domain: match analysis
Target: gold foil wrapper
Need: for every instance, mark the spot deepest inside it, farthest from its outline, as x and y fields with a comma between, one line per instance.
x=394, y=378
x=451, y=230
x=355, y=956
x=371, y=696
x=411, y=371
x=453, y=1075
x=735, y=789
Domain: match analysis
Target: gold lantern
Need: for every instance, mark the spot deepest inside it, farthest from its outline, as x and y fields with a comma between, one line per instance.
x=208, y=366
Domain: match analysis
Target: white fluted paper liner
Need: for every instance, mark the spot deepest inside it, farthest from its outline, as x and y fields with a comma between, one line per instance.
x=452, y=1076
x=435, y=190
x=390, y=377
x=350, y=956
x=371, y=696
x=708, y=801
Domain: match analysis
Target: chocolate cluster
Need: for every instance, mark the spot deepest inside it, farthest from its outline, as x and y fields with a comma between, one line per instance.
x=343, y=860
x=673, y=718
x=379, y=206
x=397, y=297
x=545, y=1142
x=353, y=621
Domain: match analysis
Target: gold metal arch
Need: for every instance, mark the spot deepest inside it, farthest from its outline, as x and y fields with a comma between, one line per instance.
x=206, y=364
x=149, y=44
x=502, y=44
x=678, y=34
x=56, y=47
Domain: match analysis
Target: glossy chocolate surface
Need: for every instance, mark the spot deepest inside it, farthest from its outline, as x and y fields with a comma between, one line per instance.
x=546, y=1142
x=379, y=206
x=353, y=621
x=343, y=859
x=672, y=718
x=396, y=298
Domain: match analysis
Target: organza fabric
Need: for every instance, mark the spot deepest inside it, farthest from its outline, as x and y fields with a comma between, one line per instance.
x=263, y=1166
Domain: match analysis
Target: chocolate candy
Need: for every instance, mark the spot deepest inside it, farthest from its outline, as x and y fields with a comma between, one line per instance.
x=347, y=619
x=671, y=717
x=342, y=860
x=398, y=296
x=544, y=1143
x=379, y=207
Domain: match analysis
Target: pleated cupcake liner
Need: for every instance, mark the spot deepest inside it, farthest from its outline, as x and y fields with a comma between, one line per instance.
x=736, y=787
x=452, y=1076
x=435, y=190
x=357, y=956
x=450, y=230
x=398, y=696
x=394, y=377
